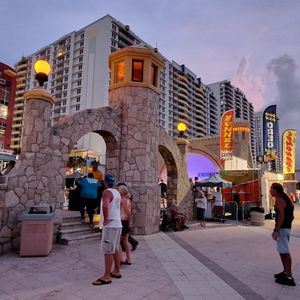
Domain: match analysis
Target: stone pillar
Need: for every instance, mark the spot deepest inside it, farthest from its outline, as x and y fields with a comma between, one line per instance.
x=183, y=145
x=37, y=123
x=139, y=101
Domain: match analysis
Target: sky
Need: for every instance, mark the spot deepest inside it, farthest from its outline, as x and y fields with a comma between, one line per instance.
x=253, y=43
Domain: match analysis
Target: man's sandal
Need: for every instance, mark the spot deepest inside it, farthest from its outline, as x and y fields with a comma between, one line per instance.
x=100, y=281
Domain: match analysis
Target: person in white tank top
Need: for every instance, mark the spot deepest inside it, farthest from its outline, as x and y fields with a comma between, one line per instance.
x=111, y=232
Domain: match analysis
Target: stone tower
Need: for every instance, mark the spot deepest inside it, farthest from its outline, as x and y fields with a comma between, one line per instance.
x=134, y=86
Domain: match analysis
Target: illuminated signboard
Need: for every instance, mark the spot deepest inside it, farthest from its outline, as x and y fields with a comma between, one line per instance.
x=289, y=151
x=270, y=127
x=226, y=135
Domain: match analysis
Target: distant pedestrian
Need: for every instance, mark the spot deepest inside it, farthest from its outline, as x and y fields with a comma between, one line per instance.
x=284, y=209
x=94, y=169
x=89, y=191
x=111, y=231
x=201, y=201
x=218, y=204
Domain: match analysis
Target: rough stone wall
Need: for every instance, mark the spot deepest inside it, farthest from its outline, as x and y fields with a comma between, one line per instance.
x=39, y=175
x=139, y=155
x=134, y=139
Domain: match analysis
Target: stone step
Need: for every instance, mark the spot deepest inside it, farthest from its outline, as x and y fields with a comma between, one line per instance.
x=75, y=230
x=68, y=239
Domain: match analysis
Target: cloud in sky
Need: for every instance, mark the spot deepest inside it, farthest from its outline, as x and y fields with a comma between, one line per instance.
x=284, y=69
x=253, y=85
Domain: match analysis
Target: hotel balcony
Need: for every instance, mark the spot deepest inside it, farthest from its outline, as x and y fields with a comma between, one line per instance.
x=22, y=73
x=17, y=119
x=20, y=92
x=16, y=125
x=12, y=146
x=16, y=132
x=21, y=67
x=18, y=111
x=16, y=139
x=19, y=105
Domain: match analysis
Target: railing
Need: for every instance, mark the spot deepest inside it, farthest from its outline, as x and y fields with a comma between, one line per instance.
x=228, y=211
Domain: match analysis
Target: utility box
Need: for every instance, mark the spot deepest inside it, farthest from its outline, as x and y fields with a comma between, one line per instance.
x=37, y=231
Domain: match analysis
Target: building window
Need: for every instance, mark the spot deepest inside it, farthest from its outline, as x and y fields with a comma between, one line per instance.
x=65, y=86
x=154, y=70
x=82, y=36
x=79, y=74
x=119, y=71
x=79, y=83
x=78, y=99
x=82, y=44
x=80, y=67
x=80, y=59
x=66, y=78
x=65, y=94
x=63, y=110
x=77, y=107
x=81, y=51
x=78, y=91
x=64, y=102
x=137, y=70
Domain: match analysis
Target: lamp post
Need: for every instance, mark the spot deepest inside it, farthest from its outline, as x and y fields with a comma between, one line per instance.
x=181, y=127
x=42, y=69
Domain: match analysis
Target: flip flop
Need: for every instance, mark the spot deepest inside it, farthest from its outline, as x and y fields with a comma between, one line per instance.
x=125, y=263
x=115, y=276
x=100, y=281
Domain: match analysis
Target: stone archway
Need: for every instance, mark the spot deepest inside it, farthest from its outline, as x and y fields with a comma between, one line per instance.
x=172, y=173
x=104, y=121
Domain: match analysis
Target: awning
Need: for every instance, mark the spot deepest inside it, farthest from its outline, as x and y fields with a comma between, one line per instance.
x=7, y=157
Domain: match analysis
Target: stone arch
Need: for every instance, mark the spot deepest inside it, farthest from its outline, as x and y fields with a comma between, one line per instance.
x=175, y=159
x=104, y=121
x=172, y=172
x=210, y=147
x=207, y=155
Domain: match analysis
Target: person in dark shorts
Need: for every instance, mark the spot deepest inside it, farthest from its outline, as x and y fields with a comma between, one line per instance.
x=284, y=209
x=125, y=218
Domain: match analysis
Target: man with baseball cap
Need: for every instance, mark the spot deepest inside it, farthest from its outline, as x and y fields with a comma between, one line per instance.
x=111, y=232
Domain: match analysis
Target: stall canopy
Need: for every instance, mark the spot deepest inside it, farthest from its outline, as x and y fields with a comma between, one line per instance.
x=214, y=181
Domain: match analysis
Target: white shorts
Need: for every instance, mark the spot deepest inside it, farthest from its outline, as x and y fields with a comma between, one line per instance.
x=110, y=242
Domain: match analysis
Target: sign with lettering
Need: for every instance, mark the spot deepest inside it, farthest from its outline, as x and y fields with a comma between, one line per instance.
x=289, y=151
x=226, y=135
x=270, y=129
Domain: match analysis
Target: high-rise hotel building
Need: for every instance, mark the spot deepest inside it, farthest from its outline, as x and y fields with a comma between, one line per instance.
x=231, y=97
x=7, y=101
x=80, y=78
x=184, y=98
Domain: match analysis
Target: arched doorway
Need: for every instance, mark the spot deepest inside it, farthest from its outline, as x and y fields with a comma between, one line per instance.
x=171, y=172
x=201, y=165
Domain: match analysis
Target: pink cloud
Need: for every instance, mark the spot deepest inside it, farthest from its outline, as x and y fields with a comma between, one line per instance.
x=253, y=85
